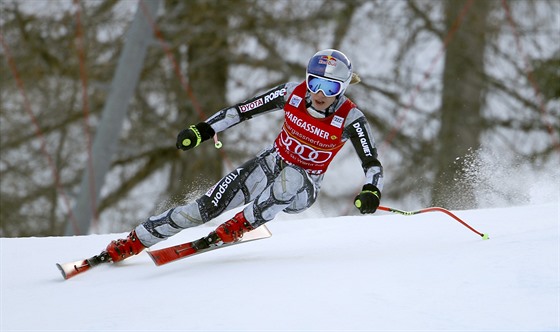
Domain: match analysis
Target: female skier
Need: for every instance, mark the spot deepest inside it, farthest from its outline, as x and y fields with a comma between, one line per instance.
x=285, y=176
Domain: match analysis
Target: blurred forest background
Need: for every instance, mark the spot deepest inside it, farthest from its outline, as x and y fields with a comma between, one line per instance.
x=446, y=85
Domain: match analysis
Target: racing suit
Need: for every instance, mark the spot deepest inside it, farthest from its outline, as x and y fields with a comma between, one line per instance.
x=285, y=176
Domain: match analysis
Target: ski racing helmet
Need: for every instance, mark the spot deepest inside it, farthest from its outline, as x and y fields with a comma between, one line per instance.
x=329, y=71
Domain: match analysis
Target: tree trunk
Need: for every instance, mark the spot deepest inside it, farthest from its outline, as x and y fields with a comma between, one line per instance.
x=462, y=101
x=106, y=139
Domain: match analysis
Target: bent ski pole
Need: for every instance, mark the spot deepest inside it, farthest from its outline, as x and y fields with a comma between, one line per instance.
x=433, y=209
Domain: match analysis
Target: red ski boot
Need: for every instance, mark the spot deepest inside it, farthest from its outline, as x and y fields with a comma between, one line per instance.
x=233, y=229
x=124, y=248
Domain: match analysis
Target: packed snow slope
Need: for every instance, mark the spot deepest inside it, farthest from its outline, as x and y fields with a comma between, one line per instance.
x=373, y=273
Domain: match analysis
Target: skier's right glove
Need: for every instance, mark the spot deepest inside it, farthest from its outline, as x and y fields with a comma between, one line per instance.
x=367, y=200
x=194, y=135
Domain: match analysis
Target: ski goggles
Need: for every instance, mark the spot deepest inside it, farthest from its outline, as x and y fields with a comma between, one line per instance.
x=329, y=87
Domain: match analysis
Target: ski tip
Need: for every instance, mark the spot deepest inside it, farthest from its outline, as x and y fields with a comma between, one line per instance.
x=62, y=271
x=72, y=269
x=485, y=236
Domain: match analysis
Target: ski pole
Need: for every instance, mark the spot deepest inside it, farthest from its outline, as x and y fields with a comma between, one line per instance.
x=433, y=209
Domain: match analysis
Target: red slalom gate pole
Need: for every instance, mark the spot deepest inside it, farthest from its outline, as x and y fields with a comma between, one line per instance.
x=433, y=209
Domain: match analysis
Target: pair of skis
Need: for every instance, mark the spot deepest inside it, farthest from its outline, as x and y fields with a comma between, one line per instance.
x=165, y=255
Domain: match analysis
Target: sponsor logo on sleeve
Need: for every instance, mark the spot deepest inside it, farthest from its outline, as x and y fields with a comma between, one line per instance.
x=363, y=140
x=251, y=106
x=274, y=94
x=261, y=101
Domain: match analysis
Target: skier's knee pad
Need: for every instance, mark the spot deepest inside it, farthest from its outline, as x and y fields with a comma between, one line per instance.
x=187, y=215
x=300, y=203
x=289, y=182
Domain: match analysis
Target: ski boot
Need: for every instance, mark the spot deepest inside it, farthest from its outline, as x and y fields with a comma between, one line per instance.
x=233, y=229
x=124, y=248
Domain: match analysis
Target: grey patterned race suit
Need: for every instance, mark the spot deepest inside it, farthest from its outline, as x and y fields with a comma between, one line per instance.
x=267, y=181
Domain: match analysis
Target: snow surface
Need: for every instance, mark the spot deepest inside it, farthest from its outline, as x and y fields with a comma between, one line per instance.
x=382, y=272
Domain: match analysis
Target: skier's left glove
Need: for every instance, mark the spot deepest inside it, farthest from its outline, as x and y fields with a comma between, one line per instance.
x=367, y=200
x=193, y=136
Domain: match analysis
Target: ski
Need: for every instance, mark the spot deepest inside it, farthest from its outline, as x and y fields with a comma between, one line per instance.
x=72, y=269
x=202, y=245
x=165, y=255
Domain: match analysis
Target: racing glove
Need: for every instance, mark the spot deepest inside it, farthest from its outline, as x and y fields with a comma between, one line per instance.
x=367, y=200
x=194, y=135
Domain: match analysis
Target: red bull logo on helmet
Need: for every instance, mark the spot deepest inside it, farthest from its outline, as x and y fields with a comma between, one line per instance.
x=327, y=60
